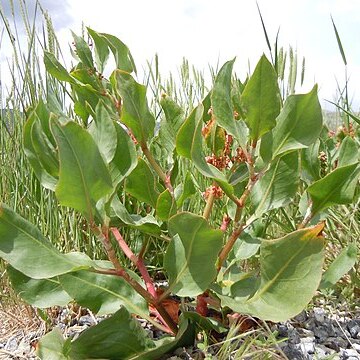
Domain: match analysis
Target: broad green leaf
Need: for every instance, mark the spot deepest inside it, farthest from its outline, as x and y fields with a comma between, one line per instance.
x=46, y=179
x=135, y=113
x=103, y=294
x=83, y=51
x=141, y=184
x=189, y=143
x=101, y=49
x=55, y=69
x=165, y=205
x=278, y=185
x=86, y=78
x=46, y=153
x=290, y=273
x=187, y=189
x=191, y=255
x=104, y=132
x=339, y=267
x=41, y=293
x=117, y=337
x=122, y=55
x=310, y=163
x=53, y=346
x=185, y=337
x=221, y=102
x=24, y=247
x=261, y=99
x=338, y=187
x=84, y=178
x=348, y=152
x=215, y=140
x=170, y=123
x=246, y=246
x=147, y=224
x=125, y=157
x=299, y=123
x=205, y=323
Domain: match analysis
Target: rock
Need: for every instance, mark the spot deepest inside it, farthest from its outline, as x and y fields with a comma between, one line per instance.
x=307, y=345
x=293, y=336
x=86, y=320
x=306, y=333
x=293, y=353
x=321, y=333
x=335, y=343
x=319, y=315
x=349, y=354
x=11, y=344
x=282, y=330
x=301, y=318
x=353, y=327
x=356, y=346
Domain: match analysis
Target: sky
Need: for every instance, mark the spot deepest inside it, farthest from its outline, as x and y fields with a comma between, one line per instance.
x=209, y=32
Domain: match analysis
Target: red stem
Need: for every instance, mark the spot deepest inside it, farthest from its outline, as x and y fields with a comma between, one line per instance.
x=138, y=262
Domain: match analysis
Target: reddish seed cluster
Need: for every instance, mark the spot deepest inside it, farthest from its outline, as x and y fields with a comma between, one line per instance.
x=240, y=156
x=215, y=190
x=323, y=163
x=220, y=162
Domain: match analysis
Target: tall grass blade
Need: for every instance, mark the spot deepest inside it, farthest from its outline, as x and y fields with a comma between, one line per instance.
x=339, y=42
x=265, y=33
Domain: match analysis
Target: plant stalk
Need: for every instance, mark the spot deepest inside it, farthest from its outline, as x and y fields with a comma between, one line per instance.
x=165, y=179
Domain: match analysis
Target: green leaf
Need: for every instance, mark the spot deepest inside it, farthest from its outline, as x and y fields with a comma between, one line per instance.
x=187, y=189
x=101, y=49
x=348, y=152
x=102, y=294
x=339, y=267
x=205, y=323
x=185, y=337
x=104, y=132
x=170, y=123
x=46, y=153
x=41, y=293
x=24, y=247
x=53, y=346
x=246, y=246
x=147, y=224
x=310, y=163
x=165, y=205
x=278, y=185
x=222, y=106
x=117, y=337
x=125, y=157
x=290, y=273
x=191, y=255
x=122, y=55
x=83, y=51
x=55, y=69
x=299, y=123
x=261, y=99
x=189, y=143
x=80, y=186
x=135, y=113
x=46, y=179
x=337, y=187
x=141, y=184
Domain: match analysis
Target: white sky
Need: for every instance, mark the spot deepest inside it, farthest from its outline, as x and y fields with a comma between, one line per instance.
x=205, y=31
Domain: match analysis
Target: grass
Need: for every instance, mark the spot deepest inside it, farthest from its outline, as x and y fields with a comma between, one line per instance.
x=20, y=189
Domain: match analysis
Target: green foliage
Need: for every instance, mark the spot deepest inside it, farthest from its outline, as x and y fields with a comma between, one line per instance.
x=243, y=154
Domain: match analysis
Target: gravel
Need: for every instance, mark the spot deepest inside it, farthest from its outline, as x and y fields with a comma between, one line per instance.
x=315, y=334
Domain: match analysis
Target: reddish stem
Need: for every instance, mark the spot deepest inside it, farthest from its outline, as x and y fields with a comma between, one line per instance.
x=138, y=262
